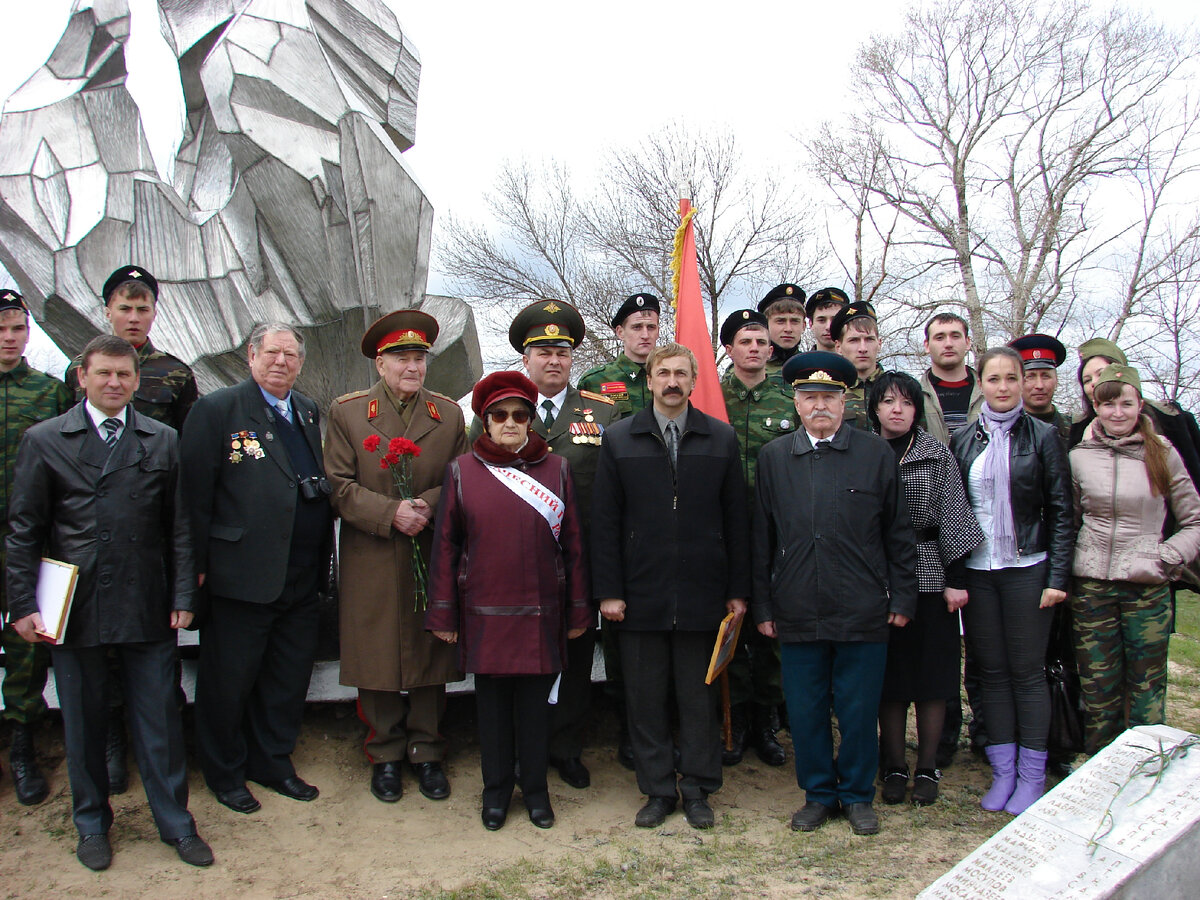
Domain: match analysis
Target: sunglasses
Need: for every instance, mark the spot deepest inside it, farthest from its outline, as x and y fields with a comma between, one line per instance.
x=520, y=416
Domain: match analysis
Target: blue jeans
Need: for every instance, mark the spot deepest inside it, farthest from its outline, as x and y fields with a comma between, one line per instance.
x=845, y=678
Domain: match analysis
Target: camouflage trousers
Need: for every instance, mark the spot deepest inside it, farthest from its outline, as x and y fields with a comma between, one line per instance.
x=25, y=668
x=1122, y=631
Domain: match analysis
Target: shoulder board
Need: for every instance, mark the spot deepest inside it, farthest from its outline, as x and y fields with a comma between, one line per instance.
x=442, y=397
x=592, y=395
x=354, y=395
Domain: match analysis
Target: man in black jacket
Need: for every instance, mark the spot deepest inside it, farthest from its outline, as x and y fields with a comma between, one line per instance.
x=97, y=487
x=670, y=546
x=834, y=565
x=258, y=500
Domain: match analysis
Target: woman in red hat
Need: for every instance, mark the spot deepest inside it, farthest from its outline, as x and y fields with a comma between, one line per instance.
x=509, y=585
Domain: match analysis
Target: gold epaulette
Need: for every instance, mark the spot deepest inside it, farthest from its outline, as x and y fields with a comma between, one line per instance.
x=354, y=395
x=592, y=395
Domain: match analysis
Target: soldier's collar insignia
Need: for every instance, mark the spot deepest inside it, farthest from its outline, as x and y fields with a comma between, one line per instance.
x=433, y=410
x=373, y=408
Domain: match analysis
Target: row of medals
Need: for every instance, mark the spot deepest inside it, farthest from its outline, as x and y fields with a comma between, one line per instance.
x=587, y=431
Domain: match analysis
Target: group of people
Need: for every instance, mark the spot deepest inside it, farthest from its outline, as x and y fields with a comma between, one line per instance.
x=852, y=517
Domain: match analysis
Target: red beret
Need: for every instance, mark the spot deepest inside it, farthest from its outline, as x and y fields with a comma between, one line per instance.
x=502, y=386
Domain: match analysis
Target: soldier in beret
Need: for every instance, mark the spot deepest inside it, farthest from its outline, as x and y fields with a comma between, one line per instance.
x=623, y=380
x=28, y=396
x=784, y=308
x=573, y=422
x=760, y=409
x=834, y=562
x=1041, y=355
x=399, y=668
x=855, y=331
x=820, y=309
x=166, y=393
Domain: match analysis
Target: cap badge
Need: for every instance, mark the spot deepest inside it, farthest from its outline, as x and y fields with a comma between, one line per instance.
x=641, y=301
x=134, y=273
x=551, y=307
x=745, y=313
x=551, y=330
x=788, y=291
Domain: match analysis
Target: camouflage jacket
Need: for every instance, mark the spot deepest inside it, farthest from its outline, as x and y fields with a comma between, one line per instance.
x=167, y=390
x=1060, y=422
x=856, y=402
x=758, y=415
x=623, y=381
x=27, y=397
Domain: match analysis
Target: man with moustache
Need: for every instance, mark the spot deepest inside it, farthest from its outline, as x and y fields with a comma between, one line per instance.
x=1041, y=355
x=820, y=310
x=258, y=500
x=760, y=409
x=951, y=388
x=855, y=332
x=834, y=565
x=783, y=306
x=623, y=380
x=399, y=668
x=670, y=546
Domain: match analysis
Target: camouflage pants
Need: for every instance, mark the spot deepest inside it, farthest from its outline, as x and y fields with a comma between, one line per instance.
x=25, y=665
x=1121, y=635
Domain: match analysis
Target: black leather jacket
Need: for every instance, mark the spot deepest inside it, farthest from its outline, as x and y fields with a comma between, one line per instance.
x=1040, y=486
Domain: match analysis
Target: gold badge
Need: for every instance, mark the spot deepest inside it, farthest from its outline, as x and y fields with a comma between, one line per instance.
x=551, y=307
x=551, y=330
x=788, y=290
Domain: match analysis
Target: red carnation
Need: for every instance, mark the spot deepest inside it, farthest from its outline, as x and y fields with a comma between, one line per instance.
x=383, y=463
x=371, y=443
x=392, y=459
x=403, y=447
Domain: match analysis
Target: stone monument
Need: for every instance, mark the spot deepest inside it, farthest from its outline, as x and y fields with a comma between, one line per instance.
x=284, y=196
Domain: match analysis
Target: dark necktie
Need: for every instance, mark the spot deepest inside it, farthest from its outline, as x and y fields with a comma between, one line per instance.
x=111, y=427
x=673, y=441
x=548, y=419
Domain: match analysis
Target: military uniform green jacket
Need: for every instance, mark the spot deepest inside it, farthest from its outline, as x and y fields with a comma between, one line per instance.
x=856, y=402
x=167, y=389
x=758, y=415
x=623, y=381
x=27, y=397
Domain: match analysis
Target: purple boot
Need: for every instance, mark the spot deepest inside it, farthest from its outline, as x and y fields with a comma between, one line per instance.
x=1003, y=758
x=1031, y=781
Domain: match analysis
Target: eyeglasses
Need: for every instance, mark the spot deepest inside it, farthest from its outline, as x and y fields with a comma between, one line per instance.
x=520, y=416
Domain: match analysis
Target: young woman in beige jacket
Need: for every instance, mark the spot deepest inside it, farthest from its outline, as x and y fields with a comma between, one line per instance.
x=1128, y=483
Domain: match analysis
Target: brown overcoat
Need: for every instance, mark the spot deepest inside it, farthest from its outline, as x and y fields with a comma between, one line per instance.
x=383, y=640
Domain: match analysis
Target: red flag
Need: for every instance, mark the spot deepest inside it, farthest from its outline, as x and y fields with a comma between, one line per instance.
x=691, y=324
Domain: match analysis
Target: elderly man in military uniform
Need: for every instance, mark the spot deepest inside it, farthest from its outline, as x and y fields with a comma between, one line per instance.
x=760, y=409
x=855, y=331
x=820, y=310
x=399, y=668
x=28, y=396
x=623, y=380
x=166, y=393
x=1041, y=355
x=783, y=306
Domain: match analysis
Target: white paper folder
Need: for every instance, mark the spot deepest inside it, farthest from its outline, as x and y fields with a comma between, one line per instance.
x=55, y=591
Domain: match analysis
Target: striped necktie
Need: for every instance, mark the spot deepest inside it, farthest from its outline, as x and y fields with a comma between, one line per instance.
x=111, y=427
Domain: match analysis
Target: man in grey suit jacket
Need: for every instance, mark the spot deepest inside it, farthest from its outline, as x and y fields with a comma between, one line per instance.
x=258, y=500
x=97, y=487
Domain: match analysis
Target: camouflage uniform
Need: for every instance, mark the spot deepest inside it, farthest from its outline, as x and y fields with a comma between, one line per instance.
x=27, y=396
x=1122, y=631
x=167, y=389
x=758, y=415
x=623, y=381
x=1060, y=422
x=777, y=358
x=856, y=402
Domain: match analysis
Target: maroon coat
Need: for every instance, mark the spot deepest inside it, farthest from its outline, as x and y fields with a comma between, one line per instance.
x=498, y=577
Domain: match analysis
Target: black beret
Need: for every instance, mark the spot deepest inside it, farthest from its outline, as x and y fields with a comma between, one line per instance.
x=783, y=291
x=547, y=323
x=1039, y=351
x=10, y=299
x=636, y=303
x=126, y=274
x=739, y=319
x=819, y=370
x=859, y=309
x=825, y=295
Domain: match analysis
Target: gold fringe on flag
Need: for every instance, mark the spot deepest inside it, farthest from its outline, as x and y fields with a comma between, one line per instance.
x=677, y=256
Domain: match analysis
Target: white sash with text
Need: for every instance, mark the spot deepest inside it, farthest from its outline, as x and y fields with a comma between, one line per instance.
x=544, y=501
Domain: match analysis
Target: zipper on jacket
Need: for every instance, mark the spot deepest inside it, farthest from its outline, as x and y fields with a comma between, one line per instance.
x=1112, y=534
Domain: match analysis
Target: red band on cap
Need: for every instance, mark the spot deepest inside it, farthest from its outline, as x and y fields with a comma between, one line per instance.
x=407, y=336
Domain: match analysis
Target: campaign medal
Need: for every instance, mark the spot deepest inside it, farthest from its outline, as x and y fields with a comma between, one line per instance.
x=243, y=444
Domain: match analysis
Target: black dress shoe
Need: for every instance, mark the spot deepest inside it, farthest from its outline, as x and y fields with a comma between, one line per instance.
x=812, y=816
x=655, y=812
x=541, y=816
x=294, y=788
x=493, y=817
x=862, y=818
x=94, y=851
x=699, y=814
x=192, y=850
x=239, y=800
x=385, y=781
x=432, y=780
x=573, y=772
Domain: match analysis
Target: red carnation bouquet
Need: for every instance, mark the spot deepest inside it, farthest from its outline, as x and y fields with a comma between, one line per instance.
x=399, y=456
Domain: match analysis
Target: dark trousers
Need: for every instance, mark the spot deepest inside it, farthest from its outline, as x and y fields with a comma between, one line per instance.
x=845, y=677
x=653, y=661
x=1008, y=634
x=255, y=663
x=514, y=725
x=81, y=676
x=568, y=717
x=404, y=726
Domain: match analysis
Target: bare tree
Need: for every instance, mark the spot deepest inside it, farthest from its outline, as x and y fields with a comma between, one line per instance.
x=997, y=122
x=751, y=233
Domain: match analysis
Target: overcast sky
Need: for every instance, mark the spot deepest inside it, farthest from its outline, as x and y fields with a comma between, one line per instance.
x=544, y=78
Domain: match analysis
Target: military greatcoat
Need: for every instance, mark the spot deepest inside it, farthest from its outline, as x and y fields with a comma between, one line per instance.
x=383, y=640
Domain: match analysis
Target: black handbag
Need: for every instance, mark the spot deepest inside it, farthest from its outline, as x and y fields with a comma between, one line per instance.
x=1062, y=677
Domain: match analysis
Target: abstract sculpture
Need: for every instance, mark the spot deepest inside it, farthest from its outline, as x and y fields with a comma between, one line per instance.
x=283, y=194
